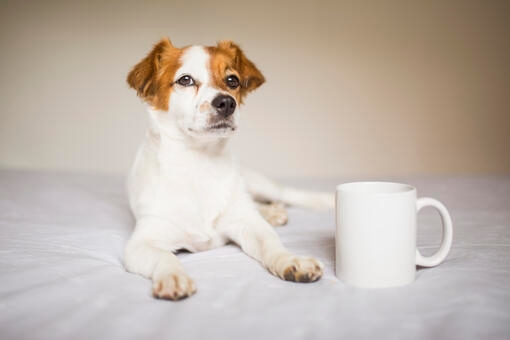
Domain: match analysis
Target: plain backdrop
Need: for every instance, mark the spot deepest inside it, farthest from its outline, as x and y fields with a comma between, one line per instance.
x=354, y=88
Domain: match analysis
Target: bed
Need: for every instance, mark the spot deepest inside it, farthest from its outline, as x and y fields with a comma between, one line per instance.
x=61, y=244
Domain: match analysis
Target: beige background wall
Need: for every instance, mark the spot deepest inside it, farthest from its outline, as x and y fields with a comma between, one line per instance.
x=379, y=88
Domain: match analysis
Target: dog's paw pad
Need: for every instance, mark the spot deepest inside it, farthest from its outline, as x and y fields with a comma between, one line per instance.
x=302, y=269
x=175, y=287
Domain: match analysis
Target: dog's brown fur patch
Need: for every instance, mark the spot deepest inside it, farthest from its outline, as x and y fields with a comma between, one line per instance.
x=227, y=58
x=205, y=107
x=152, y=77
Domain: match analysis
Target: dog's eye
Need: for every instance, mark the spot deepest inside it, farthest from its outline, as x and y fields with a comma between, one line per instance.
x=232, y=82
x=186, y=81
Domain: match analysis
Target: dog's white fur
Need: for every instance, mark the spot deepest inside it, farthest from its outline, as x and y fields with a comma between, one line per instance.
x=187, y=192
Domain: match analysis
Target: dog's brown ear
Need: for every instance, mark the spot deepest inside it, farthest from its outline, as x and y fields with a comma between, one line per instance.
x=250, y=74
x=143, y=76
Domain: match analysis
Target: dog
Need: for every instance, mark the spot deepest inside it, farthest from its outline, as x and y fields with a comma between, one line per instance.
x=185, y=190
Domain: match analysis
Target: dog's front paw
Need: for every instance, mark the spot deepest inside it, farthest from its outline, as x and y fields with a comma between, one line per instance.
x=176, y=286
x=300, y=269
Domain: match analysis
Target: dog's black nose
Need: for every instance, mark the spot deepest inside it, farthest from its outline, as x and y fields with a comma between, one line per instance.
x=224, y=105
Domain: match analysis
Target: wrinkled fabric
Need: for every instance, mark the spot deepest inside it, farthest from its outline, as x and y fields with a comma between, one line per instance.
x=61, y=245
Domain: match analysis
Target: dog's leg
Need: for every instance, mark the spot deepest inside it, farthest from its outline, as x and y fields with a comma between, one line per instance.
x=275, y=213
x=263, y=189
x=259, y=240
x=244, y=226
x=169, y=280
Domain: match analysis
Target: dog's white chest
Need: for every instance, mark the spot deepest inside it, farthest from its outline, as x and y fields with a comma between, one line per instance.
x=192, y=195
x=185, y=190
x=211, y=196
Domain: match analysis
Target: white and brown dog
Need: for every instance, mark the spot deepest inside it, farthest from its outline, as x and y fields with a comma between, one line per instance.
x=185, y=189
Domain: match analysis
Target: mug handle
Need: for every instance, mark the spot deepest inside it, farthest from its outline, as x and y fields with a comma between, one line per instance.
x=446, y=242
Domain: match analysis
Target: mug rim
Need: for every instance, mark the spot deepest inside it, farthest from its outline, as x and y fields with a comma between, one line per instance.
x=379, y=188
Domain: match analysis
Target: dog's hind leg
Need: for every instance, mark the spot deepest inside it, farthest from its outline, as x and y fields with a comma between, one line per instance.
x=275, y=213
x=262, y=189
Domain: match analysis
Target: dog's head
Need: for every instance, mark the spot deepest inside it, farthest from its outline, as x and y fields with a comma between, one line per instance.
x=200, y=87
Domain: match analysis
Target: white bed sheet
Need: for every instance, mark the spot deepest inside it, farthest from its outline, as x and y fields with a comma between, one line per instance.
x=61, y=274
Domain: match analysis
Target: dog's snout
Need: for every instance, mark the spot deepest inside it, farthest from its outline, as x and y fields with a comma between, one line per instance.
x=224, y=105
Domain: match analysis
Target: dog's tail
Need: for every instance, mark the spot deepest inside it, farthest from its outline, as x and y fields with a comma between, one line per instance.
x=262, y=189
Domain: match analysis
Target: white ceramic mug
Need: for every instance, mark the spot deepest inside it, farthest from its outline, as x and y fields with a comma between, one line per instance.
x=376, y=234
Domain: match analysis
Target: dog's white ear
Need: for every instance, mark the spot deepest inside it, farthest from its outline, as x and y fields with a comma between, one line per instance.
x=251, y=77
x=147, y=76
